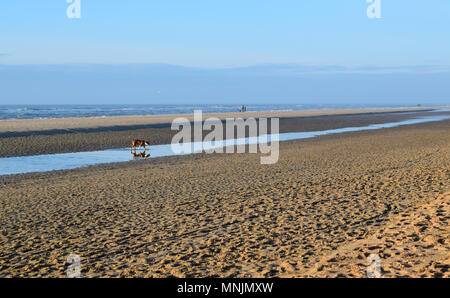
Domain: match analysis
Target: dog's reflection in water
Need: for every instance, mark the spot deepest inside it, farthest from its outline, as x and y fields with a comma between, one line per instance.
x=140, y=155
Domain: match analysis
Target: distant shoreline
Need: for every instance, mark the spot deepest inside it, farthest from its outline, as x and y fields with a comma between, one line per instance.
x=62, y=111
x=24, y=125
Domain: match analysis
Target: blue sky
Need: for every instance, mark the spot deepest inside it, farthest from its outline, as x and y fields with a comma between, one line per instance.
x=228, y=34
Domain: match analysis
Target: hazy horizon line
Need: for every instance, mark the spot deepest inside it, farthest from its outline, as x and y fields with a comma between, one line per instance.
x=334, y=68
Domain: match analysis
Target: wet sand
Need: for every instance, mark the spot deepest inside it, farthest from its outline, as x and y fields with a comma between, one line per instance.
x=27, y=125
x=31, y=137
x=320, y=211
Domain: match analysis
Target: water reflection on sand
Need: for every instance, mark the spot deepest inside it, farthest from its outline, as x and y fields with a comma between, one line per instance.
x=65, y=161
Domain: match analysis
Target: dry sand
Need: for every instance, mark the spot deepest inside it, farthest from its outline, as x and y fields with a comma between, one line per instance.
x=326, y=205
x=413, y=243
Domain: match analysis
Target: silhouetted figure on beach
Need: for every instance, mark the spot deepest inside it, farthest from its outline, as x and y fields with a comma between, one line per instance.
x=242, y=108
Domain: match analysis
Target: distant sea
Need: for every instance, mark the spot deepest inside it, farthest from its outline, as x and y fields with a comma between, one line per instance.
x=69, y=111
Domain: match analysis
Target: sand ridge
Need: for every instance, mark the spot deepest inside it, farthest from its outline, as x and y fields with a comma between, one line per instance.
x=22, y=125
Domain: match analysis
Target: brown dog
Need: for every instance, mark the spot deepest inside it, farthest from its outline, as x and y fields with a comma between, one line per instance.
x=140, y=143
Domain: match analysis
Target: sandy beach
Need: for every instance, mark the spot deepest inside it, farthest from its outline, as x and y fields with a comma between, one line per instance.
x=320, y=211
x=223, y=148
